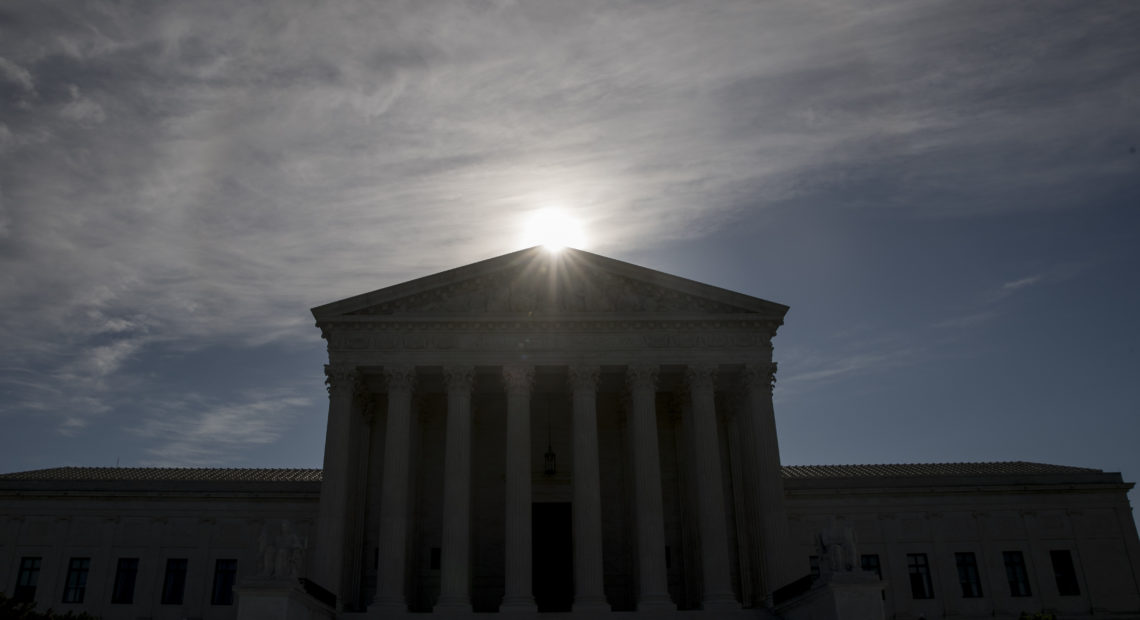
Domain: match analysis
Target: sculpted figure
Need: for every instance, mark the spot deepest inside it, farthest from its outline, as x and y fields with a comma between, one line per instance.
x=837, y=549
x=266, y=552
x=281, y=551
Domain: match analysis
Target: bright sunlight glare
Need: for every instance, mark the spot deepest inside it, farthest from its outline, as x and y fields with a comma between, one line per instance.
x=554, y=230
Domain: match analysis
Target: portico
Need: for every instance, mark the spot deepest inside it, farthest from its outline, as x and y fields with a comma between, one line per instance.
x=459, y=401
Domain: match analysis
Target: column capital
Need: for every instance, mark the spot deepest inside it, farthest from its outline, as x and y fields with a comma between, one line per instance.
x=642, y=376
x=583, y=377
x=400, y=378
x=340, y=379
x=700, y=376
x=459, y=378
x=518, y=378
x=759, y=376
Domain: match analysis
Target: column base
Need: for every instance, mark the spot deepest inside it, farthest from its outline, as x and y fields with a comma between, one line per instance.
x=654, y=603
x=721, y=604
x=591, y=605
x=455, y=606
x=388, y=607
x=517, y=605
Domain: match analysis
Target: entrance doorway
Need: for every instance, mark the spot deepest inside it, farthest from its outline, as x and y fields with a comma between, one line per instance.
x=552, y=556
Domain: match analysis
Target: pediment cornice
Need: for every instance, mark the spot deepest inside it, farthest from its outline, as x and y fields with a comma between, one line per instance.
x=534, y=285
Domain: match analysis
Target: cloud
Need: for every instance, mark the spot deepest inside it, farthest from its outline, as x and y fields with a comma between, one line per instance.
x=17, y=74
x=196, y=430
x=1022, y=283
x=199, y=174
x=81, y=109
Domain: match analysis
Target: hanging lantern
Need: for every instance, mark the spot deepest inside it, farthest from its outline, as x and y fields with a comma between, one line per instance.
x=549, y=470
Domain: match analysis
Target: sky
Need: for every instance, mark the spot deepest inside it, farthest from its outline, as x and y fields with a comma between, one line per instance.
x=946, y=194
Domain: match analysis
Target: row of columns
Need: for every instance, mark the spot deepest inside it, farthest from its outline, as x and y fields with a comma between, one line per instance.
x=586, y=516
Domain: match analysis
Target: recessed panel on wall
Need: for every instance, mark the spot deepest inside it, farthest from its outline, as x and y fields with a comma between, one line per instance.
x=959, y=526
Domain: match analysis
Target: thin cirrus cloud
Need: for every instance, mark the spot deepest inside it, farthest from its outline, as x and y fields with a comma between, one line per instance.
x=197, y=430
x=207, y=171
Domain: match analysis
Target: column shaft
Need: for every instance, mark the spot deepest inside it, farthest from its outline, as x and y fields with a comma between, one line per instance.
x=455, y=581
x=769, y=488
x=393, y=533
x=653, y=591
x=710, y=492
x=518, y=595
x=589, y=588
x=333, y=510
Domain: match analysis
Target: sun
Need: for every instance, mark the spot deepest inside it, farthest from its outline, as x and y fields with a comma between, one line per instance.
x=553, y=229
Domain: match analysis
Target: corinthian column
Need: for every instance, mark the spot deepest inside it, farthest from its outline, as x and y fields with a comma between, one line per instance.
x=653, y=590
x=717, y=582
x=766, y=492
x=589, y=591
x=394, y=491
x=454, y=595
x=332, y=518
x=518, y=595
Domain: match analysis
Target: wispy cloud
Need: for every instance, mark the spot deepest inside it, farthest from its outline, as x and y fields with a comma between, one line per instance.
x=202, y=173
x=1022, y=283
x=199, y=430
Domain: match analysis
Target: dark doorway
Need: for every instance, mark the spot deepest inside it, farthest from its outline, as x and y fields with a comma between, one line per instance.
x=553, y=557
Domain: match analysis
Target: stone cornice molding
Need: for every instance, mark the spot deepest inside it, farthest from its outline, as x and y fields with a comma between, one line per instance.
x=518, y=378
x=531, y=281
x=759, y=376
x=340, y=379
x=641, y=376
x=400, y=378
x=547, y=323
x=459, y=378
x=464, y=337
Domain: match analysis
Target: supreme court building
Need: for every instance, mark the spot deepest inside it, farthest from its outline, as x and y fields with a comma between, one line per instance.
x=492, y=426
x=566, y=433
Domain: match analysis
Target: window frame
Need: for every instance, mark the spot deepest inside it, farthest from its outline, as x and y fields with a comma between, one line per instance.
x=969, y=575
x=27, y=579
x=1017, y=573
x=126, y=577
x=174, y=581
x=225, y=577
x=75, y=583
x=918, y=572
x=1065, y=576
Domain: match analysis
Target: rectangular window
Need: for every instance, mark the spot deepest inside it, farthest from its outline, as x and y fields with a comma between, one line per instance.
x=123, y=593
x=870, y=562
x=225, y=573
x=1015, y=573
x=1065, y=572
x=919, y=569
x=76, y=585
x=174, y=582
x=968, y=576
x=813, y=564
x=26, y=580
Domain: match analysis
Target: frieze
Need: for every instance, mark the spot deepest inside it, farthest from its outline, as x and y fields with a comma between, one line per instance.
x=516, y=292
x=538, y=341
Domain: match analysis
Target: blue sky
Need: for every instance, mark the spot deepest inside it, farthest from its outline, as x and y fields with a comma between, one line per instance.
x=947, y=194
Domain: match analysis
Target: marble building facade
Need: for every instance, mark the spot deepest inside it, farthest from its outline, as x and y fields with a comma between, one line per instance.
x=567, y=433
x=656, y=381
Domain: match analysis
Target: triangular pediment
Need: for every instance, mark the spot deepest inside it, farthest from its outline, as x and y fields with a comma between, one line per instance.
x=537, y=283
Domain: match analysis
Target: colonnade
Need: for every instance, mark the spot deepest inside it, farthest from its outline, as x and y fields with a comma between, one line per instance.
x=649, y=525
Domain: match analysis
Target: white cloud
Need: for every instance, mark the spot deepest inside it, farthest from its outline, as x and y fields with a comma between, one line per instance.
x=82, y=109
x=1022, y=283
x=197, y=430
x=17, y=74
